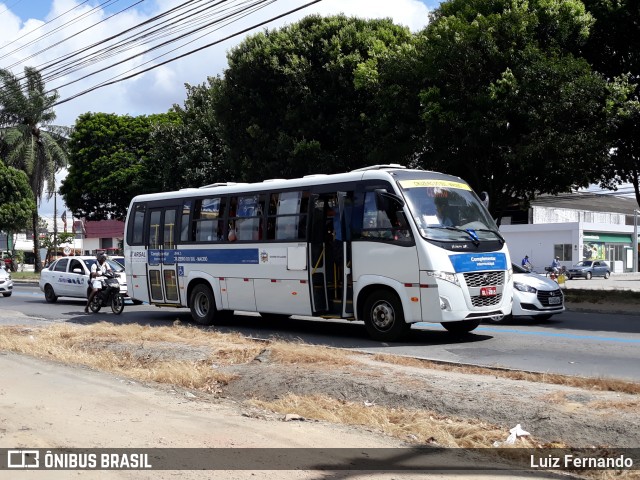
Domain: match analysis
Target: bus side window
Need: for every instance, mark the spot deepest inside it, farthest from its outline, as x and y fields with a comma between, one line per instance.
x=206, y=219
x=184, y=222
x=136, y=228
x=384, y=221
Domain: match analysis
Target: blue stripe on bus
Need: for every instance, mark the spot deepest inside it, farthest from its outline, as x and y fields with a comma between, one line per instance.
x=222, y=256
x=475, y=262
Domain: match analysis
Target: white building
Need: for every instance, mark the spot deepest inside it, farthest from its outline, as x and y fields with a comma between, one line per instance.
x=575, y=227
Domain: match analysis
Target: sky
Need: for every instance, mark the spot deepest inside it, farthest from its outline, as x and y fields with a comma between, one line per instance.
x=36, y=32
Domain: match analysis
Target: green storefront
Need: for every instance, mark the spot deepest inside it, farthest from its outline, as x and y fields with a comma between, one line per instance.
x=612, y=247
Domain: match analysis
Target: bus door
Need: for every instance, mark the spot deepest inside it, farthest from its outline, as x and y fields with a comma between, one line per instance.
x=162, y=272
x=330, y=254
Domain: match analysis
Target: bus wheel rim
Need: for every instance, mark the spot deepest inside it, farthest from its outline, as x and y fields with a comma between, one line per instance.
x=202, y=305
x=383, y=315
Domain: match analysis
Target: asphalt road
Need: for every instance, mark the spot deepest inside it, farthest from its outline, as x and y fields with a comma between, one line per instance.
x=576, y=343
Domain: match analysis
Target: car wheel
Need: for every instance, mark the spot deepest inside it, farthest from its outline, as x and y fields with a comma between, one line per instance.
x=463, y=326
x=137, y=302
x=49, y=295
x=384, y=317
x=543, y=318
x=588, y=276
x=570, y=277
x=607, y=275
x=8, y=294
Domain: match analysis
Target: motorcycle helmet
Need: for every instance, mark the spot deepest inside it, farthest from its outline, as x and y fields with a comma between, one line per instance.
x=101, y=256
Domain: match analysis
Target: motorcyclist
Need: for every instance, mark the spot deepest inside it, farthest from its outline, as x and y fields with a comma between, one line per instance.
x=555, y=265
x=526, y=264
x=96, y=277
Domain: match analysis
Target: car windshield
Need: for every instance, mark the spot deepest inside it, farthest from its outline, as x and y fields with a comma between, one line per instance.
x=448, y=211
x=518, y=269
x=585, y=263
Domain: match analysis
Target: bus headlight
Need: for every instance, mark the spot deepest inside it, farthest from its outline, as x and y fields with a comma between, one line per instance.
x=446, y=276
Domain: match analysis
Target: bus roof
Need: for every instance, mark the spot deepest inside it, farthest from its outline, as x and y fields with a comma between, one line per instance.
x=391, y=172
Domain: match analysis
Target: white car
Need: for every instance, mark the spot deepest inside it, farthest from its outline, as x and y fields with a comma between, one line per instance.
x=6, y=284
x=69, y=277
x=535, y=295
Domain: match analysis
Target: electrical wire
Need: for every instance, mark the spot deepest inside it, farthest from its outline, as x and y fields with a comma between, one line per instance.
x=72, y=36
x=9, y=8
x=115, y=79
x=73, y=65
x=266, y=2
x=54, y=30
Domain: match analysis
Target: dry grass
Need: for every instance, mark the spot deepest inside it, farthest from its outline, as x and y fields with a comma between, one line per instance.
x=417, y=426
x=599, y=384
x=154, y=353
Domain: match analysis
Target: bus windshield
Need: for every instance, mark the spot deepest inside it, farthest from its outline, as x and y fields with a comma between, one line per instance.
x=448, y=211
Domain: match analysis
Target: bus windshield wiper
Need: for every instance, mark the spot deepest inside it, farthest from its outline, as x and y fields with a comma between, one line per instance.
x=495, y=232
x=470, y=233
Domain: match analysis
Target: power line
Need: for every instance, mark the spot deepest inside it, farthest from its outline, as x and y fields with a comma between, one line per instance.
x=37, y=28
x=9, y=8
x=257, y=2
x=114, y=80
x=72, y=36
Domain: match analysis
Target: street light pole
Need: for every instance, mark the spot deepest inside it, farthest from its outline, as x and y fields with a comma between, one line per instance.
x=55, y=223
x=634, y=243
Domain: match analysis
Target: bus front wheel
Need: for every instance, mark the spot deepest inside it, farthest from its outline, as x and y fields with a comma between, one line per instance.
x=202, y=305
x=464, y=326
x=384, y=318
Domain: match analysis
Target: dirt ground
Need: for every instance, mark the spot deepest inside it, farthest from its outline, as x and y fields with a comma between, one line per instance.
x=47, y=405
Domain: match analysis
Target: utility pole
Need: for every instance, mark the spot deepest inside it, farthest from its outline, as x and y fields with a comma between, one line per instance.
x=634, y=243
x=55, y=222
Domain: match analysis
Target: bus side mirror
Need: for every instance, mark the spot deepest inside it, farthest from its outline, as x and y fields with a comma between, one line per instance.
x=484, y=198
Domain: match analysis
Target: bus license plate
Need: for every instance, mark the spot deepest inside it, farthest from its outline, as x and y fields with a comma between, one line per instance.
x=488, y=292
x=555, y=300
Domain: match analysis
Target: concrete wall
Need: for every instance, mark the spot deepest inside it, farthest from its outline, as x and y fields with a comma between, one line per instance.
x=538, y=240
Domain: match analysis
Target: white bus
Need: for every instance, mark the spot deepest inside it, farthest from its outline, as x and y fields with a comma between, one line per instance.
x=384, y=244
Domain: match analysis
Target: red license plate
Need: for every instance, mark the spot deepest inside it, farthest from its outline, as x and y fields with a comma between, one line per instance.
x=488, y=291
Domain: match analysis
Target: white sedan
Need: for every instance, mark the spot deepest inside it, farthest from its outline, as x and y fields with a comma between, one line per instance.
x=69, y=277
x=535, y=295
x=6, y=284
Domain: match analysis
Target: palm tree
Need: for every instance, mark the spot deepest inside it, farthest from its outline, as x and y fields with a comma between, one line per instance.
x=32, y=143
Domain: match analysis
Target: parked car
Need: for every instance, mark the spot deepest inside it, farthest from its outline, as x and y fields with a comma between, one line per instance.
x=535, y=295
x=6, y=284
x=589, y=268
x=69, y=277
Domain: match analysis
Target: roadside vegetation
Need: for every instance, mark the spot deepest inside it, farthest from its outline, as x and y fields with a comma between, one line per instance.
x=196, y=359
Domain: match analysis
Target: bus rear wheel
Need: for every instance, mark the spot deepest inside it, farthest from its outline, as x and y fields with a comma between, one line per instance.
x=463, y=326
x=384, y=317
x=203, y=305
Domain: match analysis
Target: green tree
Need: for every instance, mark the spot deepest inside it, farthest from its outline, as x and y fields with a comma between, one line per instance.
x=34, y=145
x=503, y=102
x=188, y=151
x=300, y=99
x=16, y=199
x=613, y=48
x=108, y=164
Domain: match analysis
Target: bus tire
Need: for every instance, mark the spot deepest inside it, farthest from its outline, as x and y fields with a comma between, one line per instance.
x=203, y=305
x=384, y=317
x=463, y=326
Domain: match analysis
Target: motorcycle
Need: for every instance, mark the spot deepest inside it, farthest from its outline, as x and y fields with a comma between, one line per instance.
x=109, y=294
